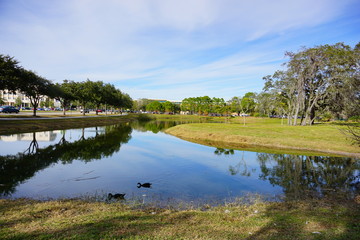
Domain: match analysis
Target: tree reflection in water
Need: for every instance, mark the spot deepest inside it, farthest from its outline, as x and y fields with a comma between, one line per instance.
x=241, y=168
x=311, y=176
x=298, y=176
x=15, y=169
x=153, y=126
x=303, y=176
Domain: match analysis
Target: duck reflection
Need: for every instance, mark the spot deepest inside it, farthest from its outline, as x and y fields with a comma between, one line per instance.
x=116, y=196
x=144, y=185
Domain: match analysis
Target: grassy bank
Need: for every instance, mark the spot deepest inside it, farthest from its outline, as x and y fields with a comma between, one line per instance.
x=73, y=219
x=269, y=135
x=51, y=122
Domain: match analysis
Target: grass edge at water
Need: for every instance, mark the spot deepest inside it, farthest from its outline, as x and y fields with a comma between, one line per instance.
x=268, y=135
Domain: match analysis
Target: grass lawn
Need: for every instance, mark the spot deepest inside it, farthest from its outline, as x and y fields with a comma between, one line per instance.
x=75, y=219
x=269, y=135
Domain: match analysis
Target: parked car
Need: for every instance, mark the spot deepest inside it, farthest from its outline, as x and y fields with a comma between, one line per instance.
x=86, y=110
x=99, y=110
x=9, y=109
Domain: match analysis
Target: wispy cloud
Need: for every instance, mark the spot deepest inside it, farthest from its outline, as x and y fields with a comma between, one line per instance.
x=168, y=48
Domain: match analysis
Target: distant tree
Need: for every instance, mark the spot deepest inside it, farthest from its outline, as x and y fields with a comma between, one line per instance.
x=98, y=96
x=35, y=88
x=266, y=103
x=10, y=73
x=218, y=106
x=141, y=104
x=135, y=105
x=18, y=101
x=65, y=93
x=127, y=102
x=84, y=93
x=247, y=104
x=204, y=105
x=189, y=104
x=235, y=104
x=169, y=107
x=155, y=106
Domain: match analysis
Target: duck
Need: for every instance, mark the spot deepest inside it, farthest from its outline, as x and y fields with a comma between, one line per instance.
x=118, y=196
x=145, y=185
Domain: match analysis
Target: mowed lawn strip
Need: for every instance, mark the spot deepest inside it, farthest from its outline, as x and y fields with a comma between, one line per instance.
x=75, y=219
x=269, y=133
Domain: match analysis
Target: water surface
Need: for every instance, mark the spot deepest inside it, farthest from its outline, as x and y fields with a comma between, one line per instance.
x=113, y=159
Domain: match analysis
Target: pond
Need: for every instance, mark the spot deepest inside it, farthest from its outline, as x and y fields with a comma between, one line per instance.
x=92, y=162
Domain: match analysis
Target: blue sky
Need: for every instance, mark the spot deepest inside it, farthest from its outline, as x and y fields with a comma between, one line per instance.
x=170, y=49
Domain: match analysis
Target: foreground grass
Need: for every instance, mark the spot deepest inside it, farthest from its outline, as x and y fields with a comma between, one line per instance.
x=75, y=219
x=262, y=134
x=47, y=123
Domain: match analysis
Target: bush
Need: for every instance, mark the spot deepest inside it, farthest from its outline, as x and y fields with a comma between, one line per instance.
x=354, y=118
x=145, y=117
x=326, y=117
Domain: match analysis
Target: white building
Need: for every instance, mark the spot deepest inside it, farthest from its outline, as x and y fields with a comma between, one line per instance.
x=10, y=99
x=48, y=136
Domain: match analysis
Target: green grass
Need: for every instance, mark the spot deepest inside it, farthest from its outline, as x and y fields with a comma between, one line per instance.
x=75, y=219
x=263, y=134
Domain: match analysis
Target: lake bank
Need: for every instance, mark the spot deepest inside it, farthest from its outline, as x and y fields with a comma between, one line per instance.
x=75, y=219
x=60, y=122
x=268, y=135
x=245, y=218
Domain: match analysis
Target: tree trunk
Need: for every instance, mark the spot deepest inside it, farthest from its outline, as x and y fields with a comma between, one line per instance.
x=34, y=111
x=304, y=120
x=35, y=105
x=296, y=114
x=312, y=116
x=63, y=108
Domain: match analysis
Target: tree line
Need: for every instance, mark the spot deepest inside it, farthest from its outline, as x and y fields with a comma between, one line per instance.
x=14, y=77
x=322, y=82
x=155, y=106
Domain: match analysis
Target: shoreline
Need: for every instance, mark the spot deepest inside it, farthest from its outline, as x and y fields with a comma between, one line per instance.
x=251, y=139
x=268, y=148
x=48, y=123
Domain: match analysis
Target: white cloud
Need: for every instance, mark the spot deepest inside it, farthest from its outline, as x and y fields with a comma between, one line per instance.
x=157, y=43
